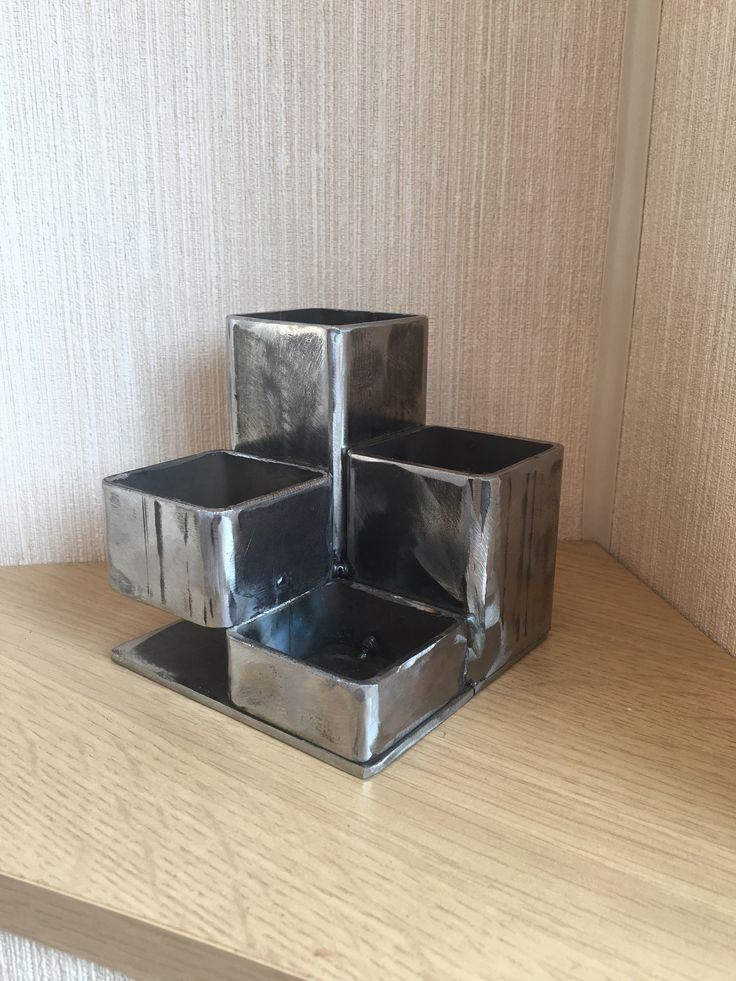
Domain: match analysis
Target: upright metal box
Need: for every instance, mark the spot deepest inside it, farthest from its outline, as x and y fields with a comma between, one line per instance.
x=467, y=522
x=307, y=384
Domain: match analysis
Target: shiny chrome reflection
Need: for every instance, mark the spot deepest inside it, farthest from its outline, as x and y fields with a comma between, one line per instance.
x=375, y=571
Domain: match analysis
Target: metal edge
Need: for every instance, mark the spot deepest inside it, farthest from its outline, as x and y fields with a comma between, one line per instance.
x=480, y=685
x=317, y=478
x=233, y=319
x=361, y=452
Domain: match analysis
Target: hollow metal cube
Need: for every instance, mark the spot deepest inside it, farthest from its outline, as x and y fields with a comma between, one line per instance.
x=217, y=537
x=307, y=384
x=350, y=670
x=464, y=521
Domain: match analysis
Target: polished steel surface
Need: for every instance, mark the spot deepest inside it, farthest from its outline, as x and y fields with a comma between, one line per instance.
x=192, y=661
x=218, y=537
x=306, y=384
x=375, y=572
x=465, y=521
x=349, y=669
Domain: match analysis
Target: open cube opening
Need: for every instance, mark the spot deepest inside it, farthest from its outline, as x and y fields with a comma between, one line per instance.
x=347, y=669
x=321, y=317
x=217, y=538
x=460, y=450
x=463, y=521
x=216, y=480
x=346, y=630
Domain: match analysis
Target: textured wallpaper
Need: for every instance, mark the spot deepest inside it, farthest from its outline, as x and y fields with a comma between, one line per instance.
x=675, y=509
x=163, y=165
x=23, y=960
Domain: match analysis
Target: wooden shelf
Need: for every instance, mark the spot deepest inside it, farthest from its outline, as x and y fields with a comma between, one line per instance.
x=576, y=819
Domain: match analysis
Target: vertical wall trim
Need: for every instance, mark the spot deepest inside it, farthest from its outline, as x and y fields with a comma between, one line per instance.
x=636, y=95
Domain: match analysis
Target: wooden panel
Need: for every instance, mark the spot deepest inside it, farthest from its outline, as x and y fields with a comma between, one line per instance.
x=575, y=819
x=675, y=514
x=167, y=164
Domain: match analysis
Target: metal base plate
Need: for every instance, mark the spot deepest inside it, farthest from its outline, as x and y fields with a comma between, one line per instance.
x=192, y=660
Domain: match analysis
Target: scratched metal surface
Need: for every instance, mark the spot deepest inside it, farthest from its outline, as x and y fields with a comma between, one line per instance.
x=346, y=668
x=430, y=519
x=463, y=522
x=280, y=390
x=216, y=545
x=307, y=384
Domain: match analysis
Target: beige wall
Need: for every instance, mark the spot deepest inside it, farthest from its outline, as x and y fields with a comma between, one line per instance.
x=25, y=960
x=166, y=164
x=675, y=504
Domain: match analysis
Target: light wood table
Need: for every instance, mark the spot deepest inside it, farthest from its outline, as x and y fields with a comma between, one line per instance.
x=577, y=819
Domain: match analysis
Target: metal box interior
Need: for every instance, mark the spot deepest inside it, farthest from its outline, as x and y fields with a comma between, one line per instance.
x=348, y=668
x=210, y=537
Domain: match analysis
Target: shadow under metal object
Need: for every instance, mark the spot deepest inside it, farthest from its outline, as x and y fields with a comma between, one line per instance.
x=374, y=571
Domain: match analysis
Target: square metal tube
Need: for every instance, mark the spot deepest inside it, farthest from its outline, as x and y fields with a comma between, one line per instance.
x=346, y=668
x=193, y=661
x=218, y=537
x=307, y=384
x=466, y=522
x=447, y=538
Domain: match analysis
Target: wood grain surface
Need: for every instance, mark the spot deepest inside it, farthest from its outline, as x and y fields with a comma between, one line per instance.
x=575, y=820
